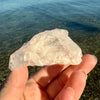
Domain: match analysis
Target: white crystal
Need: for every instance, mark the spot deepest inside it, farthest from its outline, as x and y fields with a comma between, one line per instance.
x=47, y=48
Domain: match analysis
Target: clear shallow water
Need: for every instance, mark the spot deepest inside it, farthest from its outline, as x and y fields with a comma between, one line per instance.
x=21, y=19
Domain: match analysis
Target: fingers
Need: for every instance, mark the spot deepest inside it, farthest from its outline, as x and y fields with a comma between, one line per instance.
x=14, y=87
x=74, y=87
x=77, y=82
x=56, y=86
x=87, y=64
x=44, y=76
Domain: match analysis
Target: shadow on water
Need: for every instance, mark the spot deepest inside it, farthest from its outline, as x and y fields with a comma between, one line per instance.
x=81, y=26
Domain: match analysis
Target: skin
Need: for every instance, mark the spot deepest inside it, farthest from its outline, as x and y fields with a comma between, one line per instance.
x=49, y=83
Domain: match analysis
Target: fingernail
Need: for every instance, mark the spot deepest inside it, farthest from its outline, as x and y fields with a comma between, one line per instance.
x=71, y=90
x=70, y=93
x=83, y=73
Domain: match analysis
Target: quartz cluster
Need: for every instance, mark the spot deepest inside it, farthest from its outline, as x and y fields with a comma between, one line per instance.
x=47, y=48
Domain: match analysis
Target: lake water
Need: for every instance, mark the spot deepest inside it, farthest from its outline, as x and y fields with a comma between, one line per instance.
x=21, y=19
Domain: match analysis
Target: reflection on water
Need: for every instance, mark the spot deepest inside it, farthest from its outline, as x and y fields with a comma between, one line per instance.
x=21, y=19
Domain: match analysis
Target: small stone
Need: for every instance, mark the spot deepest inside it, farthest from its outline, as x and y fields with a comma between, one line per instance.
x=47, y=48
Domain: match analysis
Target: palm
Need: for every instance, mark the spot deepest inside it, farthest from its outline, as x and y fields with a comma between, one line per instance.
x=34, y=92
x=42, y=87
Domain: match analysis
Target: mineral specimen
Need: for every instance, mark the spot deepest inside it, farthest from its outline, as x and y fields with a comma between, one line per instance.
x=47, y=48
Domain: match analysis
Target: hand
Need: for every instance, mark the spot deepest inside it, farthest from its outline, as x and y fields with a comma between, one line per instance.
x=49, y=83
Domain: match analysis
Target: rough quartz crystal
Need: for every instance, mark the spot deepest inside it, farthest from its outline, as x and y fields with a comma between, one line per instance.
x=47, y=48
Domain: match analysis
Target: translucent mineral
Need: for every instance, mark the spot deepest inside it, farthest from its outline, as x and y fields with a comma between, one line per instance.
x=47, y=48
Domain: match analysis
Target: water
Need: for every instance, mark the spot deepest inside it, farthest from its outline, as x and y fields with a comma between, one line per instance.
x=33, y=16
x=21, y=19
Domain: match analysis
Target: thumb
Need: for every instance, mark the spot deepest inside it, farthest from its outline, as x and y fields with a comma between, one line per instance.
x=15, y=84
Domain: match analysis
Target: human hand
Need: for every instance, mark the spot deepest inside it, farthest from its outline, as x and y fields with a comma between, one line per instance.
x=49, y=83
